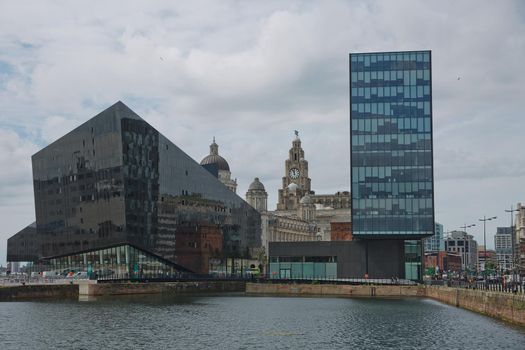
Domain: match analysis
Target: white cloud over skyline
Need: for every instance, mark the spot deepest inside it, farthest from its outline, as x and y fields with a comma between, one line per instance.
x=250, y=73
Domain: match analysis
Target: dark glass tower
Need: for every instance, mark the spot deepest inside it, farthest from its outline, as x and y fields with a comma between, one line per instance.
x=391, y=148
x=116, y=180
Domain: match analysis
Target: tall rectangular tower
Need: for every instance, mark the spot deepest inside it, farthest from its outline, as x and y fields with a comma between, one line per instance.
x=391, y=148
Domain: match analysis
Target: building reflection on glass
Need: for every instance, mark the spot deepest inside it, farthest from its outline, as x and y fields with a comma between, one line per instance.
x=117, y=183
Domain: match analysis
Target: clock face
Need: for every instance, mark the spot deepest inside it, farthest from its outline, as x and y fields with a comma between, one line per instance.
x=294, y=173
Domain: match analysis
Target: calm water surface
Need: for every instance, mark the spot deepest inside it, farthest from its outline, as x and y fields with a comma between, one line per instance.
x=242, y=322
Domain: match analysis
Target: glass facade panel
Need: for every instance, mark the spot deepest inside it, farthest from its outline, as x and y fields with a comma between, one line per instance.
x=391, y=145
x=103, y=264
x=304, y=270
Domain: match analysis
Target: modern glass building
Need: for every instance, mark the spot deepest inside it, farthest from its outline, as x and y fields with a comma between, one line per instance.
x=436, y=242
x=115, y=180
x=391, y=148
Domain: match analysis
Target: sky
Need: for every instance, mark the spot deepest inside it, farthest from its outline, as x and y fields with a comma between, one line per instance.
x=252, y=72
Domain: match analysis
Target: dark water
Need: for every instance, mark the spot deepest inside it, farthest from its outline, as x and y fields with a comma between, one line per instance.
x=241, y=322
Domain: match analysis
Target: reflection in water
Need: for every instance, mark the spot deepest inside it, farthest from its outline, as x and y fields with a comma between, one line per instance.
x=239, y=322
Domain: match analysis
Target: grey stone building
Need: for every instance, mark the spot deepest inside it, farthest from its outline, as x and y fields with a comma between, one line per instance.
x=459, y=242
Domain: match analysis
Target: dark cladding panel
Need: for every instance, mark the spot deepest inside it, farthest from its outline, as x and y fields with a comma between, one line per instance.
x=24, y=245
x=79, y=188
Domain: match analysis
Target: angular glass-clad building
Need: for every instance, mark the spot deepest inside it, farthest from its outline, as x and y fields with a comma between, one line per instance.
x=115, y=180
x=391, y=149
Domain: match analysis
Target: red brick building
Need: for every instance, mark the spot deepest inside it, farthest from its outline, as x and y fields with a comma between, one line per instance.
x=445, y=261
x=196, y=244
x=341, y=231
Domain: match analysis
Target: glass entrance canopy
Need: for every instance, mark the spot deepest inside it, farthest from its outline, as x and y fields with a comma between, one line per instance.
x=116, y=262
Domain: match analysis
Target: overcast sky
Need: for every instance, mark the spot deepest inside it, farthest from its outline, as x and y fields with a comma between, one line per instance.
x=251, y=72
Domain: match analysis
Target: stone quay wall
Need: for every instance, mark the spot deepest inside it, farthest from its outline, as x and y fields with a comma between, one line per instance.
x=98, y=289
x=504, y=306
x=29, y=292
x=334, y=290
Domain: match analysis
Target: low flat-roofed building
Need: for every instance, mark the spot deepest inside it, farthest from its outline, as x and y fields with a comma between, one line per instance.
x=337, y=259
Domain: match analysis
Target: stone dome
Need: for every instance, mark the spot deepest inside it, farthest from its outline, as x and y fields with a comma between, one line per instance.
x=293, y=186
x=256, y=185
x=306, y=200
x=215, y=158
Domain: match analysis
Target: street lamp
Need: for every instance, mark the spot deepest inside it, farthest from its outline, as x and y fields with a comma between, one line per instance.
x=513, y=240
x=485, y=219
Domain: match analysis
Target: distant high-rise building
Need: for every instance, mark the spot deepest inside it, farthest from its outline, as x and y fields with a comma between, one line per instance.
x=503, y=245
x=436, y=242
x=391, y=150
x=459, y=242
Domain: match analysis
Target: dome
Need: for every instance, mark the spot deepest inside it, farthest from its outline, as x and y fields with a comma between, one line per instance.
x=293, y=186
x=306, y=200
x=215, y=158
x=256, y=185
x=222, y=164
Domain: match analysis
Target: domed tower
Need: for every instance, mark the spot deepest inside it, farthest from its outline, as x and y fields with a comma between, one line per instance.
x=296, y=172
x=219, y=167
x=306, y=208
x=257, y=196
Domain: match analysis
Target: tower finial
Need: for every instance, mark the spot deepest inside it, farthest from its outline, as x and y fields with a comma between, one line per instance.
x=214, y=148
x=296, y=134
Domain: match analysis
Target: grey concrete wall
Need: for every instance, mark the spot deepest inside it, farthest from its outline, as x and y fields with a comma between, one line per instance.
x=384, y=258
x=96, y=289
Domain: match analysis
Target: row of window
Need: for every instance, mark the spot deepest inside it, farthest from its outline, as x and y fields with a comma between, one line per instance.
x=378, y=159
x=393, y=93
x=391, y=127
x=391, y=174
x=391, y=206
x=375, y=57
x=401, y=225
x=398, y=109
x=381, y=77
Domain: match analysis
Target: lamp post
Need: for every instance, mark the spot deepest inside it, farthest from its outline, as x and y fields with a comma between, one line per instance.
x=485, y=219
x=513, y=240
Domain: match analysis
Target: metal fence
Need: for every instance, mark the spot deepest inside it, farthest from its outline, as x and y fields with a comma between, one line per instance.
x=491, y=286
x=247, y=277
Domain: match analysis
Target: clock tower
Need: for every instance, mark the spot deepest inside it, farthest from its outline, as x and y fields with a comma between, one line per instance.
x=296, y=183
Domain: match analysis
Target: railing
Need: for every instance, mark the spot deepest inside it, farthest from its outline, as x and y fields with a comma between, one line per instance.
x=491, y=286
x=179, y=277
x=183, y=277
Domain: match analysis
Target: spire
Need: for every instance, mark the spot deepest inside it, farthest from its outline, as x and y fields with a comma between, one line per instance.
x=214, y=148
